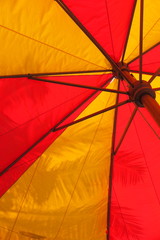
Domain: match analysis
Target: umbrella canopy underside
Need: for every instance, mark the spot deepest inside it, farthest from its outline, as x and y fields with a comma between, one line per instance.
x=64, y=175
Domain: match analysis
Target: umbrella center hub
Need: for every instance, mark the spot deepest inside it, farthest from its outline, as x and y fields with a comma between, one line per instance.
x=140, y=89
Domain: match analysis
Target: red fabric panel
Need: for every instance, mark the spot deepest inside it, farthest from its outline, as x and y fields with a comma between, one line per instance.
x=30, y=109
x=106, y=20
x=135, y=204
x=150, y=61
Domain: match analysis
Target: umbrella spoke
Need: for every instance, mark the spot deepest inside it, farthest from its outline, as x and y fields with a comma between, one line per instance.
x=83, y=102
x=149, y=124
x=68, y=115
x=54, y=129
x=154, y=75
x=92, y=115
x=129, y=29
x=143, y=72
x=148, y=50
x=77, y=85
x=55, y=73
x=50, y=131
x=24, y=154
x=141, y=40
x=111, y=165
x=114, y=65
x=86, y=32
x=156, y=89
x=126, y=129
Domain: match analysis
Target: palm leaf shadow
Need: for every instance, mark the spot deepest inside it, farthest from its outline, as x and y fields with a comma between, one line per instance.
x=124, y=224
x=129, y=168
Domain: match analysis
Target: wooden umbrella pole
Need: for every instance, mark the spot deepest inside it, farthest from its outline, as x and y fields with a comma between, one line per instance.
x=143, y=95
x=152, y=106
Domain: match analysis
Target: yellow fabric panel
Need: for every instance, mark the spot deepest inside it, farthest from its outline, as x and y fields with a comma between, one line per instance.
x=64, y=195
x=38, y=36
x=151, y=30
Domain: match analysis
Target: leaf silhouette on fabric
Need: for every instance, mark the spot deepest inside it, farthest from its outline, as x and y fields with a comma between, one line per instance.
x=129, y=168
x=124, y=223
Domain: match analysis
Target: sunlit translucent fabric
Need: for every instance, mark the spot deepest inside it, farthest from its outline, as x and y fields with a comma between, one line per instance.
x=64, y=194
x=55, y=184
x=105, y=21
x=35, y=39
x=30, y=110
x=135, y=186
x=150, y=60
x=150, y=29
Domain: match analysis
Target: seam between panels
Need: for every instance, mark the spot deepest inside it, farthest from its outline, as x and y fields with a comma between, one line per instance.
x=111, y=165
x=145, y=52
x=121, y=213
x=110, y=28
x=158, y=199
x=144, y=72
x=81, y=170
x=146, y=64
x=144, y=117
x=148, y=124
x=7, y=229
x=90, y=36
x=50, y=130
x=143, y=38
x=129, y=30
x=50, y=46
x=9, y=232
x=40, y=115
x=24, y=198
x=144, y=155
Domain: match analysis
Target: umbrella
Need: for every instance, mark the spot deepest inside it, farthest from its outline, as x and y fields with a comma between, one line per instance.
x=79, y=118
